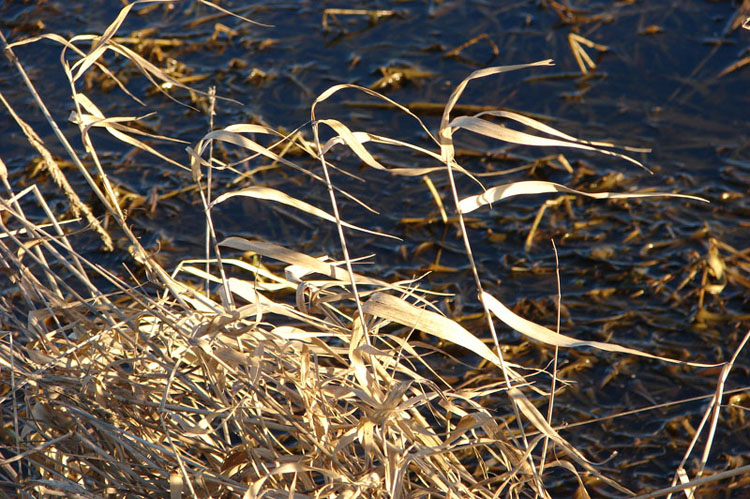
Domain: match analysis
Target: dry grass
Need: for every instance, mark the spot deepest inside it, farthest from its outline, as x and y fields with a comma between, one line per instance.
x=214, y=382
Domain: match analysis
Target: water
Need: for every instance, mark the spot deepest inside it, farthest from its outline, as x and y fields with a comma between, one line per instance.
x=632, y=272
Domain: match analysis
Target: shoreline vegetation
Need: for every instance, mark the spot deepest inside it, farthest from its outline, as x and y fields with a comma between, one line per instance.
x=259, y=370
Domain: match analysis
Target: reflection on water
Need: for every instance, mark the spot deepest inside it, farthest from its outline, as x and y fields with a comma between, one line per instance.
x=666, y=276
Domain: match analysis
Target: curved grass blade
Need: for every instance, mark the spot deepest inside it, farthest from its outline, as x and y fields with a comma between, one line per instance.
x=100, y=46
x=332, y=90
x=528, y=187
x=543, y=335
x=116, y=128
x=280, y=253
x=351, y=140
x=260, y=192
x=446, y=133
x=535, y=417
x=397, y=310
x=500, y=132
x=538, y=125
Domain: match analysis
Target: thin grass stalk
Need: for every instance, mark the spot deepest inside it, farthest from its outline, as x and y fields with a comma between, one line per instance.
x=76, y=205
x=742, y=470
x=340, y=229
x=180, y=463
x=16, y=426
x=712, y=411
x=227, y=296
x=551, y=403
x=488, y=316
x=62, y=238
x=446, y=146
x=55, y=128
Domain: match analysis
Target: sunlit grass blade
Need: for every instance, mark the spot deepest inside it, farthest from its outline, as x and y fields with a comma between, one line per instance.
x=397, y=310
x=115, y=127
x=538, y=125
x=549, y=337
x=100, y=46
x=535, y=417
x=259, y=192
x=529, y=187
x=446, y=134
x=499, y=132
x=295, y=258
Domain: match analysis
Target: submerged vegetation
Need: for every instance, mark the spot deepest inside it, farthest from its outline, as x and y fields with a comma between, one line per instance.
x=264, y=369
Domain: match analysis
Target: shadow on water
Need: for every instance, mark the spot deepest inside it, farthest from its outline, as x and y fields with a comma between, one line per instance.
x=670, y=277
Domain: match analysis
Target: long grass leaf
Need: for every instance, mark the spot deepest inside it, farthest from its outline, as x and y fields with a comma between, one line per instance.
x=229, y=12
x=97, y=119
x=295, y=258
x=528, y=187
x=260, y=192
x=101, y=44
x=397, y=310
x=334, y=89
x=351, y=140
x=543, y=335
x=538, y=125
x=445, y=134
x=535, y=417
x=500, y=132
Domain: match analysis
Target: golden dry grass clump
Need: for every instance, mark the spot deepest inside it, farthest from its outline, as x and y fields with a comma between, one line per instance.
x=147, y=396
x=230, y=377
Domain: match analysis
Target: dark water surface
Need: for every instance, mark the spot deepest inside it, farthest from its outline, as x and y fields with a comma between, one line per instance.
x=637, y=273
